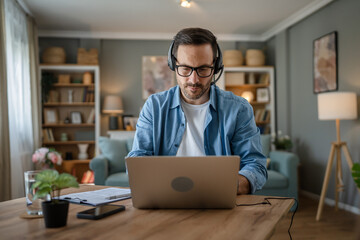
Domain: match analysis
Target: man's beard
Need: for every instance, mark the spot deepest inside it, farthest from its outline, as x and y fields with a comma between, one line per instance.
x=203, y=88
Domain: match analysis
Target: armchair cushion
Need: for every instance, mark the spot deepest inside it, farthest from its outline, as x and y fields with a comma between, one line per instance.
x=115, y=152
x=118, y=179
x=277, y=180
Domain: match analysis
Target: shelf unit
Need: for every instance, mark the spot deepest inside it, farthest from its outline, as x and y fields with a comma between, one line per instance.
x=251, y=79
x=63, y=108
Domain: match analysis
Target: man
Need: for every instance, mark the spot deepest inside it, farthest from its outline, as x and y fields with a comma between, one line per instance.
x=196, y=118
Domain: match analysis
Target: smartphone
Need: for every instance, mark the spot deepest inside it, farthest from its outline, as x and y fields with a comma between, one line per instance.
x=100, y=211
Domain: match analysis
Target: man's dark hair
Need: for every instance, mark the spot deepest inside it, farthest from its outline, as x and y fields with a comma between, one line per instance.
x=195, y=36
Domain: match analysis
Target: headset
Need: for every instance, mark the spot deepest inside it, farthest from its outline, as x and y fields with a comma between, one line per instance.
x=218, y=65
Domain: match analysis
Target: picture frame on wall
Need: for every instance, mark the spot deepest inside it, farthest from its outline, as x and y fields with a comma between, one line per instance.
x=156, y=75
x=325, y=67
x=76, y=117
x=50, y=116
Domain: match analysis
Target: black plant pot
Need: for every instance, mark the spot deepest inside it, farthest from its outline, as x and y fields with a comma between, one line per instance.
x=55, y=213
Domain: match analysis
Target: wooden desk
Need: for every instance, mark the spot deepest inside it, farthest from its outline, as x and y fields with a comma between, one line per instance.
x=254, y=222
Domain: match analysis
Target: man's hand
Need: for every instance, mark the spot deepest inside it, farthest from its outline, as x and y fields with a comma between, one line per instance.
x=243, y=185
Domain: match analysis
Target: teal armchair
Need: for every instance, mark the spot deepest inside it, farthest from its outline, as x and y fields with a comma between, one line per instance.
x=109, y=167
x=282, y=172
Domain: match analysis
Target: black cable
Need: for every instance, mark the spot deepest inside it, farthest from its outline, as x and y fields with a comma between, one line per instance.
x=267, y=202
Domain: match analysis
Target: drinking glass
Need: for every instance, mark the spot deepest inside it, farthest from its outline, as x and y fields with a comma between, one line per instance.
x=33, y=207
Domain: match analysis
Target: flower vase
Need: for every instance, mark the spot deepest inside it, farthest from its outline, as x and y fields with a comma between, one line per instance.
x=83, y=151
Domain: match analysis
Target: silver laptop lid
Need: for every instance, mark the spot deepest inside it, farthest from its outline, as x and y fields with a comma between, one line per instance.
x=183, y=182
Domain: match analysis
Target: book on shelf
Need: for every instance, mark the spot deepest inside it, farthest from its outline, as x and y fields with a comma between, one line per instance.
x=48, y=135
x=88, y=94
x=262, y=115
x=264, y=78
x=91, y=118
x=88, y=177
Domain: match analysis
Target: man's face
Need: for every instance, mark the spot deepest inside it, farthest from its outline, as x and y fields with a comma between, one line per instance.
x=195, y=89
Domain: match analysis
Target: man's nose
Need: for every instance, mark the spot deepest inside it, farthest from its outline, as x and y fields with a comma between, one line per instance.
x=193, y=78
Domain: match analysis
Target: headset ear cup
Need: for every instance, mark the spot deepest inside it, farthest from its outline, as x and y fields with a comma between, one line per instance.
x=171, y=59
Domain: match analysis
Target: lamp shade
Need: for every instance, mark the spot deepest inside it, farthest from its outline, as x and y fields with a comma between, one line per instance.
x=113, y=105
x=337, y=105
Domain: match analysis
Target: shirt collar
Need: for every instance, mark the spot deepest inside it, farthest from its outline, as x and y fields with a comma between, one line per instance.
x=213, y=97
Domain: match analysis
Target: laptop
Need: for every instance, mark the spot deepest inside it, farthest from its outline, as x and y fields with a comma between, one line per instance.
x=183, y=182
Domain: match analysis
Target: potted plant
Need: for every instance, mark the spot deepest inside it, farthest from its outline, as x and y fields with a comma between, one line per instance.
x=282, y=142
x=50, y=182
x=356, y=174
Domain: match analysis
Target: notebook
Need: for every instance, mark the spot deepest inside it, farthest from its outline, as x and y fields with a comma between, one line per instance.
x=183, y=182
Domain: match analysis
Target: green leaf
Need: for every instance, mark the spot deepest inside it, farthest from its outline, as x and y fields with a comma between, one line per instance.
x=42, y=192
x=66, y=180
x=356, y=173
x=47, y=176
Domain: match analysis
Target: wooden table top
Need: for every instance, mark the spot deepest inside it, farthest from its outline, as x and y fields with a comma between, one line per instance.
x=244, y=222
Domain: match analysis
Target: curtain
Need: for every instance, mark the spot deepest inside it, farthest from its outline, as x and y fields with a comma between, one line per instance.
x=19, y=95
x=34, y=81
x=5, y=188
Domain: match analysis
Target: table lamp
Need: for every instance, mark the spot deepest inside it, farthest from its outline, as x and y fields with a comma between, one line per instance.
x=336, y=106
x=113, y=106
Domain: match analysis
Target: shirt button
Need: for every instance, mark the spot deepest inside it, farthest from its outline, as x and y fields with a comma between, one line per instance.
x=182, y=124
x=176, y=145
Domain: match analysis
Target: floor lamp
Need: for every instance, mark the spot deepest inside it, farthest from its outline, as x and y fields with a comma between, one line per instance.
x=336, y=106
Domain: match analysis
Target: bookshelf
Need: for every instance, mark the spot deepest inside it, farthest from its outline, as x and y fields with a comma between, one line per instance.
x=256, y=84
x=70, y=111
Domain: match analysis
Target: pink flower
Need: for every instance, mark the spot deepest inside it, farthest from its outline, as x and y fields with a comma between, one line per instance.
x=47, y=157
x=40, y=155
x=55, y=158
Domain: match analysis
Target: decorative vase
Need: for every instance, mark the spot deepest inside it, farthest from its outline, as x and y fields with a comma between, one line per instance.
x=55, y=213
x=87, y=78
x=82, y=151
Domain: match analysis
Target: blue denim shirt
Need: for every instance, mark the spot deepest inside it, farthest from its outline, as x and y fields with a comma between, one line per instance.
x=229, y=129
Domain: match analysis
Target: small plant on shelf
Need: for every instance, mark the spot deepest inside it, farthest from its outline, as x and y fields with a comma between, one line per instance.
x=282, y=142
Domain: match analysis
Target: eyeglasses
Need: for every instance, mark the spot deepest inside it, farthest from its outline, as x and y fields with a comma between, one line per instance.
x=186, y=71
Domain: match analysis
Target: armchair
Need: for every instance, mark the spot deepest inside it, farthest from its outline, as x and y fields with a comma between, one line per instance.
x=282, y=172
x=109, y=167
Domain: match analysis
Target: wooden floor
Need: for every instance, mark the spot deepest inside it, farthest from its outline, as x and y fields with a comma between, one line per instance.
x=333, y=225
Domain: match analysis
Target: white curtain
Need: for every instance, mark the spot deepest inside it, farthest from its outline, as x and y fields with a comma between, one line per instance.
x=19, y=95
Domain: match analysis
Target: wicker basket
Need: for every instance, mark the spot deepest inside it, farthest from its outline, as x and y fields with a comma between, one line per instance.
x=54, y=55
x=255, y=57
x=233, y=58
x=87, y=57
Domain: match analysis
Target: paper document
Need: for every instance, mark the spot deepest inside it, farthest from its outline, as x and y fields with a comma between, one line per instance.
x=98, y=197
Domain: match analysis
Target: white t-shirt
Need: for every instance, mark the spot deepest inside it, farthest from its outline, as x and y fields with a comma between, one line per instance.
x=192, y=143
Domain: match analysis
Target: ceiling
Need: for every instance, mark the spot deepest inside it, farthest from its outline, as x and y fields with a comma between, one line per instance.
x=232, y=20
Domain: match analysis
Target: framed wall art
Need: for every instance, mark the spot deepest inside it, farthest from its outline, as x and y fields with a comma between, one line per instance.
x=325, y=63
x=156, y=75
